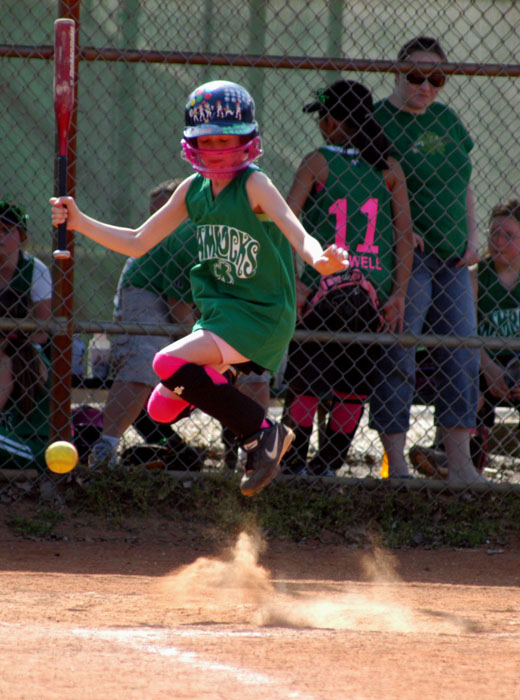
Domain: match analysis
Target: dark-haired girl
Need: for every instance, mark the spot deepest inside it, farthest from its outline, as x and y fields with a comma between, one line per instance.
x=352, y=193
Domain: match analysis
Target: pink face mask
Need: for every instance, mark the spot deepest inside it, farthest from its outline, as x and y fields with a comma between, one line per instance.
x=222, y=162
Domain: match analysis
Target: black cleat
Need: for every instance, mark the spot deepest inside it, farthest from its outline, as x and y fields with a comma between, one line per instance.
x=264, y=450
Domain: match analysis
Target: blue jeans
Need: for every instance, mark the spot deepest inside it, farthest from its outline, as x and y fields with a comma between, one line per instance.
x=439, y=301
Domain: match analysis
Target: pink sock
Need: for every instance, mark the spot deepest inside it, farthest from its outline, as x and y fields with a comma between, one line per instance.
x=303, y=409
x=344, y=417
x=163, y=409
x=215, y=376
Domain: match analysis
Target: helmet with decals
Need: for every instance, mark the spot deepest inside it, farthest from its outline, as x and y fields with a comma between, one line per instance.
x=220, y=108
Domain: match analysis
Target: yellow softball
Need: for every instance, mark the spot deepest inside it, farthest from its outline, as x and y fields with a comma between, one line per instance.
x=61, y=457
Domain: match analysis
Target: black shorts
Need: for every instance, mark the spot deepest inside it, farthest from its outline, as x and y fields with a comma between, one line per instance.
x=318, y=368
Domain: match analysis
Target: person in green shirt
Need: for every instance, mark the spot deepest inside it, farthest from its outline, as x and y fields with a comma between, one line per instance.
x=154, y=288
x=243, y=283
x=433, y=148
x=349, y=191
x=25, y=293
x=24, y=403
x=497, y=290
x=496, y=286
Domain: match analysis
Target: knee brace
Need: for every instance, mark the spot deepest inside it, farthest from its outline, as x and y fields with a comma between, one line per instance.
x=165, y=365
x=166, y=410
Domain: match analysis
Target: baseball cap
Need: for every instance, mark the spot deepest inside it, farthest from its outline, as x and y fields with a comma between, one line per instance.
x=14, y=216
x=342, y=100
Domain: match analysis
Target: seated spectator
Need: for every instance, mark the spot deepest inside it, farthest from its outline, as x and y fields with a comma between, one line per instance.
x=352, y=193
x=25, y=293
x=154, y=288
x=498, y=310
x=24, y=403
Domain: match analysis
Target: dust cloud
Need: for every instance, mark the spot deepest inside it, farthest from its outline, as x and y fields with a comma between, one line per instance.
x=236, y=581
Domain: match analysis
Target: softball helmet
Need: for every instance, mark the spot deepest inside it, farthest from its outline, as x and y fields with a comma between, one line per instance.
x=220, y=107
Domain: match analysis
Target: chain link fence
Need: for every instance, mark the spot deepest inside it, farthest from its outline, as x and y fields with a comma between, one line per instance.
x=137, y=62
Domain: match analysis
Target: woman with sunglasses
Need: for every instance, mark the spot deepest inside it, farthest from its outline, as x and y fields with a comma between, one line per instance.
x=433, y=148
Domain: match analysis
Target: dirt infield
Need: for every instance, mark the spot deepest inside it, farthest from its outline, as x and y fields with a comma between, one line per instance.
x=145, y=613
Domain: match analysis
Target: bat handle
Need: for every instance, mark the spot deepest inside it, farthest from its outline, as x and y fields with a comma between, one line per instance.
x=62, y=253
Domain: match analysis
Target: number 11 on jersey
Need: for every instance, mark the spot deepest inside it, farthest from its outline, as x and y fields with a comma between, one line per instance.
x=339, y=209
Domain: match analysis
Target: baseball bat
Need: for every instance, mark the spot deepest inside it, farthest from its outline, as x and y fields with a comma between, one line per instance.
x=64, y=56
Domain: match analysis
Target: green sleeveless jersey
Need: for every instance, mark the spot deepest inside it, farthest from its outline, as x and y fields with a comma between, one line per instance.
x=498, y=308
x=165, y=269
x=353, y=209
x=433, y=149
x=243, y=283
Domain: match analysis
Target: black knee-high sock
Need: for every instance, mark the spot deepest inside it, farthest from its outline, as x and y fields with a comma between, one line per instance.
x=220, y=400
x=333, y=453
x=295, y=458
x=230, y=448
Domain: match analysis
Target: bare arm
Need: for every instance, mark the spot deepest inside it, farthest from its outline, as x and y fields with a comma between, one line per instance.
x=127, y=241
x=264, y=197
x=472, y=219
x=393, y=310
x=471, y=255
x=314, y=168
x=403, y=228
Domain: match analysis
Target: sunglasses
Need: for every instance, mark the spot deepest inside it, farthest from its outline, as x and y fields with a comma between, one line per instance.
x=436, y=80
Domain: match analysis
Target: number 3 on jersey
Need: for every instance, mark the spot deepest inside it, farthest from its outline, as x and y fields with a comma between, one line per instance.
x=339, y=208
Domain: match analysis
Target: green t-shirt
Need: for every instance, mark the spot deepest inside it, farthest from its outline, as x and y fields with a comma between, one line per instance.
x=498, y=308
x=243, y=283
x=353, y=209
x=165, y=269
x=433, y=149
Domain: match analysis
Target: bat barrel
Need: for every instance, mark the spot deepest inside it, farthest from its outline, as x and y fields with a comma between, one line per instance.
x=64, y=57
x=63, y=78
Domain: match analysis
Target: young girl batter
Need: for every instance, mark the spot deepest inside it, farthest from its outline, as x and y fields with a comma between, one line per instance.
x=243, y=283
